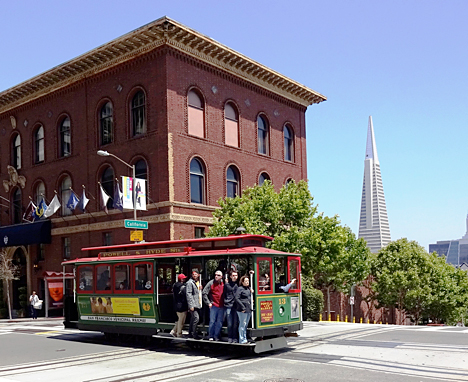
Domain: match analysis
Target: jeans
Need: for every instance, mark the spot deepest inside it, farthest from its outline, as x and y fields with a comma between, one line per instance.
x=232, y=323
x=194, y=318
x=243, y=322
x=33, y=312
x=177, y=330
x=216, y=321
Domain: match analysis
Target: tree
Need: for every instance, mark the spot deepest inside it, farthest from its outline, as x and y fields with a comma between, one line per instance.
x=8, y=272
x=331, y=255
x=401, y=277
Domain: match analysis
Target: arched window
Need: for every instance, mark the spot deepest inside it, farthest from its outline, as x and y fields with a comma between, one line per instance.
x=16, y=152
x=263, y=176
x=141, y=169
x=17, y=215
x=39, y=145
x=262, y=135
x=196, y=114
x=197, y=182
x=65, y=192
x=232, y=182
x=65, y=138
x=107, y=183
x=39, y=192
x=231, y=125
x=106, y=123
x=288, y=144
x=138, y=113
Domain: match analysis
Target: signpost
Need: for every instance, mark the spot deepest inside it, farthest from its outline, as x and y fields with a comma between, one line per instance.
x=136, y=235
x=136, y=224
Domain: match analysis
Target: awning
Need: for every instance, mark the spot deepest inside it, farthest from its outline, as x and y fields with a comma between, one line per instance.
x=26, y=234
x=49, y=275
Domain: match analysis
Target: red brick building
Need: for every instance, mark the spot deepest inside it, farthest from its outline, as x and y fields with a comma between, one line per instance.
x=198, y=120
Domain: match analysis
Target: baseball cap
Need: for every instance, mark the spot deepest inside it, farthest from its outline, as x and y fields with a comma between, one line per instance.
x=181, y=276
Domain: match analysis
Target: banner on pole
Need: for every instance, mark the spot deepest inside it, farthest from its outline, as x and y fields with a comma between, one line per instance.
x=140, y=191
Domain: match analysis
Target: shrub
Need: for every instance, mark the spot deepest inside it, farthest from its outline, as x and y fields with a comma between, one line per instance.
x=312, y=301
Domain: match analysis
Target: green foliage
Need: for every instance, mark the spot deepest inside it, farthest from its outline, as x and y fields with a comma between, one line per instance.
x=421, y=284
x=312, y=301
x=331, y=255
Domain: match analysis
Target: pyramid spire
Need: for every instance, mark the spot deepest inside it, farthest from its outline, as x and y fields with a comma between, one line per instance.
x=373, y=223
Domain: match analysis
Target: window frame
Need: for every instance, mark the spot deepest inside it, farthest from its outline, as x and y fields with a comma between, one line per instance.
x=236, y=183
x=106, y=122
x=201, y=108
x=297, y=289
x=103, y=291
x=288, y=148
x=135, y=112
x=38, y=142
x=16, y=151
x=257, y=265
x=266, y=137
x=63, y=153
x=85, y=291
x=143, y=291
x=201, y=180
x=64, y=211
x=17, y=206
x=130, y=284
x=236, y=121
x=264, y=180
x=109, y=190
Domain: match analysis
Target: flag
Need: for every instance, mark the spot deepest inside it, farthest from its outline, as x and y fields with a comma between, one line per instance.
x=29, y=213
x=83, y=202
x=104, y=199
x=40, y=210
x=72, y=201
x=53, y=207
x=118, y=198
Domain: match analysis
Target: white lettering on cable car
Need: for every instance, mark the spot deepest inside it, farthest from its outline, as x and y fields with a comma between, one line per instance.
x=120, y=319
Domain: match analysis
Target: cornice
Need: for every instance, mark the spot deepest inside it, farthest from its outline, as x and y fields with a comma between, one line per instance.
x=162, y=32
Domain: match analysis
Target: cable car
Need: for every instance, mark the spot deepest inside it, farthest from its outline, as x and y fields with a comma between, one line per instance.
x=127, y=289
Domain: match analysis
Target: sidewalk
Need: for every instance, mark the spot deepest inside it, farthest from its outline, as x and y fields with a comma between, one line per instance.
x=29, y=319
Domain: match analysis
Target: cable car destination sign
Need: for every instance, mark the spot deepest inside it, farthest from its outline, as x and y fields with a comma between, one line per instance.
x=150, y=251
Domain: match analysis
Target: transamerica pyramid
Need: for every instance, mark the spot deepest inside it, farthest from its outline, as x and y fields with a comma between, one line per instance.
x=373, y=223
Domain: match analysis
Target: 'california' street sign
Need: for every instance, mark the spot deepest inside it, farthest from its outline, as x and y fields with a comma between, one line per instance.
x=139, y=224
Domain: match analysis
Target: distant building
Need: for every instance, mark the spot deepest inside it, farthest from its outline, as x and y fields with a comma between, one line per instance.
x=455, y=251
x=373, y=223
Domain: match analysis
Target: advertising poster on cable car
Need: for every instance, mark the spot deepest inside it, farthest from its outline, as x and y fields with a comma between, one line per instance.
x=56, y=294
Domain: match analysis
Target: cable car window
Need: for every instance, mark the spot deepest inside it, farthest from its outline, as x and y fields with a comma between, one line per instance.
x=264, y=275
x=143, y=273
x=166, y=278
x=122, y=277
x=85, y=277
x=103, y=276
x=280, y=273
x=294, y=273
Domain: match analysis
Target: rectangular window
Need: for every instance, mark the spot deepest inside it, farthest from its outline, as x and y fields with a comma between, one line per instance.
x=143, y=273
x=232, y=133
x=107, y=238
x=195, y=122
x=122, y=278
x=199, y=232
x=264, y=280
x=66, y=247
x=166, y=278
x=103, y=276
x=294, y=267
x=85, y=279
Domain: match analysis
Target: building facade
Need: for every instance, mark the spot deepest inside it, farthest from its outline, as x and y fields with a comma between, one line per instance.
x=198, y=120
x=454, y=251
x=373, y=222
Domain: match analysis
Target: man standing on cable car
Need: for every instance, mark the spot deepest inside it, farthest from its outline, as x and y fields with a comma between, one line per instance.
x=193, y=290
x=213, y=296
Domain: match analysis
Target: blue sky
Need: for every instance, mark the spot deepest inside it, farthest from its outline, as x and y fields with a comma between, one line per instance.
x=403, y=62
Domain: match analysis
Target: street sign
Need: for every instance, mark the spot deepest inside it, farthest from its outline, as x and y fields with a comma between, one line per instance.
x=351, y=300
x=137, y=224
x=136, y=235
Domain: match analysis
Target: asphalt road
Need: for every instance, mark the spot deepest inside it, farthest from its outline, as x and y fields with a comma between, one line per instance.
x=43, y=351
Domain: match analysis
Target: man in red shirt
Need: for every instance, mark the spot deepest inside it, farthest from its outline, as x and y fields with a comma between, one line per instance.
x=213, y=297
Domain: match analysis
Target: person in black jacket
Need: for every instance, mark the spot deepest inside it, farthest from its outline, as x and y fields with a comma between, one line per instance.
x=244, y=310
x=180, y=305
x=230, y=289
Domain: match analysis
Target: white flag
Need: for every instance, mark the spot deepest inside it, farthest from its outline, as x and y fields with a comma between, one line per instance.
x=104, y=199
x=84, y=201
x=53, y=207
